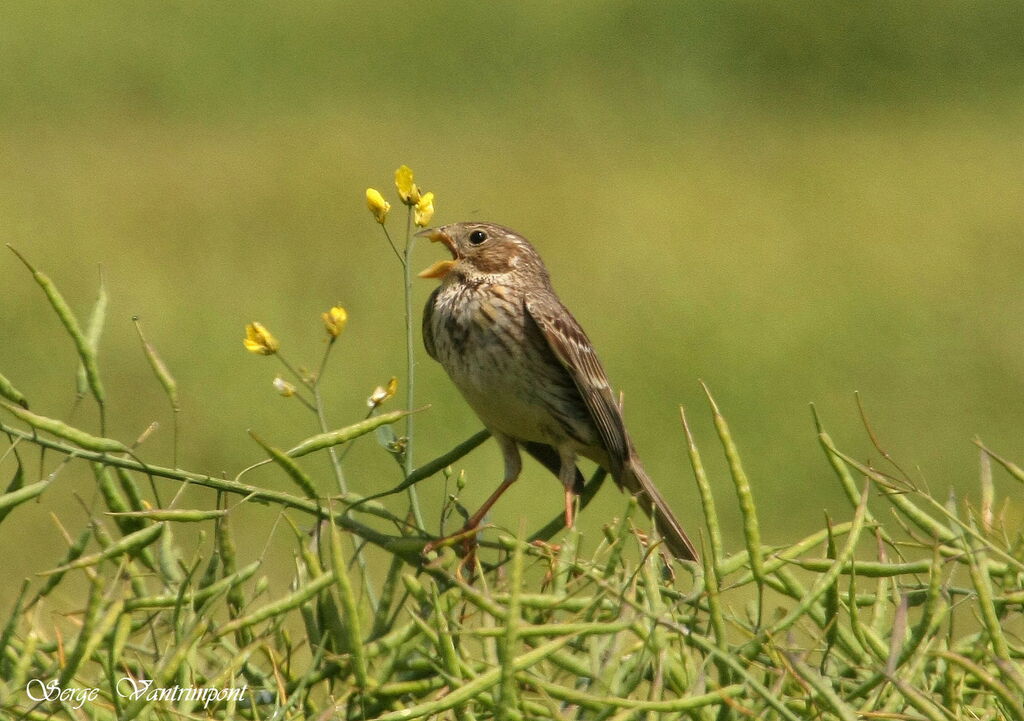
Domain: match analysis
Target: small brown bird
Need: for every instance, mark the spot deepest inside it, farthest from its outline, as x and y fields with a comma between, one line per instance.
x=528, y=370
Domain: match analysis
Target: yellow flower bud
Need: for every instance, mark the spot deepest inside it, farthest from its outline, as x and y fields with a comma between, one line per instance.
x=377, y=205
x=335, y=320
x=259, y=340
x=283, y=387
x=381, y=394
x=407, y=189
x=424, y=210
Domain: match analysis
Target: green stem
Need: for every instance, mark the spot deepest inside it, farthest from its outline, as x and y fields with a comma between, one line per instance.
x=392, y=544
x=339, y=473
x=301, y=378
x=410, y=387
x=392, y=244
x=303, y=401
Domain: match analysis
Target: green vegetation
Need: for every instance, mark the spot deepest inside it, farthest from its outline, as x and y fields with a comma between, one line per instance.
x=927, y=624
x=791, y=202
x=797, y=203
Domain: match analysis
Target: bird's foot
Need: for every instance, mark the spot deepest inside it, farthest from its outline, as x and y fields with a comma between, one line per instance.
x=464, y=538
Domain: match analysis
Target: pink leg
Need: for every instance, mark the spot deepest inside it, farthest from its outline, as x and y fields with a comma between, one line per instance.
x=513, y=465
x=570, y=508
x=567, y=475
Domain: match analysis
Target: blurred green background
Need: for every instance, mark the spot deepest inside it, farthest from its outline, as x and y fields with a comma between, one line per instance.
x=790, y=201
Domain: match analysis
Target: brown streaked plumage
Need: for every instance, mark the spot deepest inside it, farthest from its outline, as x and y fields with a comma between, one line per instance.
x=528, y=370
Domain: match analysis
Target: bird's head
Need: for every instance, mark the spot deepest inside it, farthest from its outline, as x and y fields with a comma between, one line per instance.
x=481, y=251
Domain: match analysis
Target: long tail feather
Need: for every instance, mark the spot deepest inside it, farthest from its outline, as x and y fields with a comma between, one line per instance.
x=634, y=479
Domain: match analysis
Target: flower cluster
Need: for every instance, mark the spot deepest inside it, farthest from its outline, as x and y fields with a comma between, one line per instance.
x=261, y=341
x=422, y=204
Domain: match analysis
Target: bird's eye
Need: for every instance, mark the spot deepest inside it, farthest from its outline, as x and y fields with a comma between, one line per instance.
x=477, y=237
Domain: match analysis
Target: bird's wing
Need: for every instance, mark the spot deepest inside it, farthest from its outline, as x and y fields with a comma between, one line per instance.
x=574, y=351
x=428, y=332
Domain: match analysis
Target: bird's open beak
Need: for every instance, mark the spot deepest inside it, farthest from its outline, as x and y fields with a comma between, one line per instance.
x=442, y=267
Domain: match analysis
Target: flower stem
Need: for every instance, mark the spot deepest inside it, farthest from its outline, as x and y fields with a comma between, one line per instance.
x=403, y=261
x=339, y=475
x=300, y=377
x=414, y=504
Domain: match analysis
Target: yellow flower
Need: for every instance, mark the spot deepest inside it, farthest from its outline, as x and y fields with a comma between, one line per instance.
x=259, y=340
x=380, y=395
x=377, y=205
x=407, y=189
x=283, y=387
x=424, y=210
x=335, y=320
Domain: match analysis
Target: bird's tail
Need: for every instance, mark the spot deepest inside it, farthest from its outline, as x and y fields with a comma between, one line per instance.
x=634, y=479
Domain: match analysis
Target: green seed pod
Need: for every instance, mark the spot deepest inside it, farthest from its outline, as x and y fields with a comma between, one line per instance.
x=63, y=430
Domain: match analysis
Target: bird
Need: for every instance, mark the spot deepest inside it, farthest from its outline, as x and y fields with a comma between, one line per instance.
x=528, y=370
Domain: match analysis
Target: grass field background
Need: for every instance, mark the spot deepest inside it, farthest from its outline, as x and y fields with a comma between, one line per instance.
x=790, y=203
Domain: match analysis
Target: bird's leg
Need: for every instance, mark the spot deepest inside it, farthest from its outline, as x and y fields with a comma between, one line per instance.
x=567, y=475
x=513, y=465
